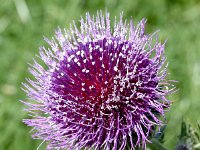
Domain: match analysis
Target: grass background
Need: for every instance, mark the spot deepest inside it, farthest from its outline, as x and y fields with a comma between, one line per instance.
x=23, y=24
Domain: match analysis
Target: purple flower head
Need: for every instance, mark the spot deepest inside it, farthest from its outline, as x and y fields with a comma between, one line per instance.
x=100, y=88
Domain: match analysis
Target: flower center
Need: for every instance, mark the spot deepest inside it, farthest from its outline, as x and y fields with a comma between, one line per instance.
x=102, y=77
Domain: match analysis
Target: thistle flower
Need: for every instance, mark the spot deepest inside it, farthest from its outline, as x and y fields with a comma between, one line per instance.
x=101, y=87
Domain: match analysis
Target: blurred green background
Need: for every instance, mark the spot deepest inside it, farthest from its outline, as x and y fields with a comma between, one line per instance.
x=24, y=23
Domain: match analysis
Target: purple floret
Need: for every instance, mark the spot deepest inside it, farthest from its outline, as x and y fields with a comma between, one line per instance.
x=100, y=88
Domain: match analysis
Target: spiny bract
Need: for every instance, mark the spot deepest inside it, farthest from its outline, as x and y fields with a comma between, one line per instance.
x=102, y=87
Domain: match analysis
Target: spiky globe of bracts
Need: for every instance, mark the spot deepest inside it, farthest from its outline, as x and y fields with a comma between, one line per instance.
x=102, y=87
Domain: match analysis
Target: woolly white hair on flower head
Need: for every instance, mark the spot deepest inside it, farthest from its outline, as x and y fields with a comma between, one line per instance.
x=103, y=87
